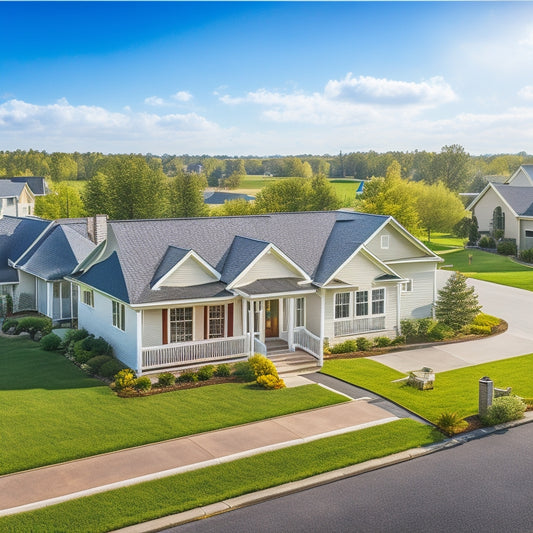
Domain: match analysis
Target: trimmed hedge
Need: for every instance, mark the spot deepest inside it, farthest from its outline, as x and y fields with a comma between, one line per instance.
x=50, y=342
x=109, y=369
x=95, y=363
x=33, y=324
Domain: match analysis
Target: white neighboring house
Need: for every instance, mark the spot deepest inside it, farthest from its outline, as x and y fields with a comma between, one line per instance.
x=506, y=210
x=16, y=199
x=175, y=292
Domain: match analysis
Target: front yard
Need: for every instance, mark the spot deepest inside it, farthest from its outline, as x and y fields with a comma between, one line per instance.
x=53, y=412
x=455, y=390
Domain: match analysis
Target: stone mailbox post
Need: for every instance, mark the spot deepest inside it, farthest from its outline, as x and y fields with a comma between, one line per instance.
x=486, y=393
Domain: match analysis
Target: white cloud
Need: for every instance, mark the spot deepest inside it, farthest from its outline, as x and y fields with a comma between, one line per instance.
x=62, y=126
x=154, y=100
x=349, y=100
x=182, y=96
x=526, y=92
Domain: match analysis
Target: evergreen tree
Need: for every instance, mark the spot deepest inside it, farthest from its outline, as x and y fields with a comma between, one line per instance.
x=186, y=196
x=96, y=195
x=473, y=232
x=457, y=304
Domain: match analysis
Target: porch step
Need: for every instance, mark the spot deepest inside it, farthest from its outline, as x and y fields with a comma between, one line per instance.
x=276, y=346
x=294, y=363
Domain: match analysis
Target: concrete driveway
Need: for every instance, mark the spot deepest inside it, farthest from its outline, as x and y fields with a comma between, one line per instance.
x=513, y=305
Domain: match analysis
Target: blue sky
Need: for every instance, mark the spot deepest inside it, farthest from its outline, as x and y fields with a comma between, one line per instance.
x=266, y=78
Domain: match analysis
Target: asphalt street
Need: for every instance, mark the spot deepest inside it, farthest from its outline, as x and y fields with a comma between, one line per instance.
x=485, y=485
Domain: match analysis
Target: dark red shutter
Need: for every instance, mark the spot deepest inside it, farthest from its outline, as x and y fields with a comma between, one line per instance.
x=165, y=326
x=230, y=320
x=206, y=322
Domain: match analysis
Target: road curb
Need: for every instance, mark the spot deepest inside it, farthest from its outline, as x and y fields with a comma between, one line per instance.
x=315, y=481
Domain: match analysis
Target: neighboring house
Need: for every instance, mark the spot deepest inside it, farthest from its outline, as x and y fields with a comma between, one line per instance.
x=506, y=210
x=218, y=198
x=174, y=292
x=16, y=199
x=35, y=255
x=37, y=184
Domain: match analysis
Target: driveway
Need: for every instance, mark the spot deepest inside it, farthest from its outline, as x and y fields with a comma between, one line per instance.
x=513, y=305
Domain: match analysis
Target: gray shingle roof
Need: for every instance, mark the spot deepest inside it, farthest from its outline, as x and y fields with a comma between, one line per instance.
x=519, y=198
x=318, y=242
x=9, y=189
x=37, y=184
x=57, y=253
x=218, y=198
x=172, y=256
x=275, y=286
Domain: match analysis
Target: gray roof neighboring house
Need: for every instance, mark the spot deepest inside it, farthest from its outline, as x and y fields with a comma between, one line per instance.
x=520, y=199
x=139, y=251
x=9, y=189
x=37, y=184
x=218, y=197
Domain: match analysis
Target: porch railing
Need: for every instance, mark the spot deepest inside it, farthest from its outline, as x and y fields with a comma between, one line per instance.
x=359, y=325
x=307, y=341
x=259, y=347
x=196, y=351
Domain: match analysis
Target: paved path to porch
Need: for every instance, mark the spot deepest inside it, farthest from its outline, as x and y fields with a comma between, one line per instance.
x=511, y=304
x=37, y=488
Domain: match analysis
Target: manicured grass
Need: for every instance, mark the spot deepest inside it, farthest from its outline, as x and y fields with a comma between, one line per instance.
x=491, y=267
x=147, y=501
x=254, y=182
x=455, y=390
x=53, y=412
x=345, y=189
x=443, y=242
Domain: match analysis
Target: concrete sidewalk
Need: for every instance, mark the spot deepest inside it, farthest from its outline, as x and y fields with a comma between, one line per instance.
x=37, y=488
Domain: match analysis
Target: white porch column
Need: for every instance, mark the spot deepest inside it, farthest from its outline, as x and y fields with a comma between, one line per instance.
x=244, y=316
x=139, y=343
x=322, y=294
x=261, y=304
x=251, y=326
x=290, y=325
x=398, y=308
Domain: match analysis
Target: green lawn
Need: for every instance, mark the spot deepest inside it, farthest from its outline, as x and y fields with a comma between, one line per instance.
x=345, y=189
x=147, y=501
x=455, y=390
x=53, y=412
x=491, y=267
x=442, y=242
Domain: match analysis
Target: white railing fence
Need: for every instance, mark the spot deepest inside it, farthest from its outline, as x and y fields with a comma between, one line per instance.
x=259, y=347
x=359, y=325
x=197, y=351
x=305, y=340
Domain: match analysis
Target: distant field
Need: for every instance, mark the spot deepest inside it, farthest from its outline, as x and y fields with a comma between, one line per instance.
x=345, y=189
x=79, y=184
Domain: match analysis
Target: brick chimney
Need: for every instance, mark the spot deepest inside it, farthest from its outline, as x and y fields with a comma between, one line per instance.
x=97, y=228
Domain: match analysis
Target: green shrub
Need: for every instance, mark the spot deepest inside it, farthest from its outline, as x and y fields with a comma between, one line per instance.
x=109, y=369
x=97, y=346
x=425, y=325
x=479, y=330
x=504, y=409
x=487, y=242
x=33, y=324
x=507, y=247
x=262, y=365
x=9, y=323
x=80, y=354
x=125, y=379
x=363, y=344
x=382, y=342
x=451, y=423
x=206, y=372
x=222, y=371
x=244, y=370
x=70, y=337
x=95, y=363
x=142, y=384
x=344, y=347
x=485, y=320
x=528, y=402
x=187, y=377
x=166, y=379
x=526, y=255
x=409, y=328
x=50, y=342
x=440, y=332
x=400, y=339
x=269, y=381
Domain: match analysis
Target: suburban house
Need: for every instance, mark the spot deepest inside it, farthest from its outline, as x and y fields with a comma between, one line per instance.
x=37, y=184
x=218, y=197
x=174, y=292
x=16, y=198
x=505, y=210
x=35, y=257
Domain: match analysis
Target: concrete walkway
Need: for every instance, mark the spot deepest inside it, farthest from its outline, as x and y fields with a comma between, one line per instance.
x=511, y=304
x=37, y=488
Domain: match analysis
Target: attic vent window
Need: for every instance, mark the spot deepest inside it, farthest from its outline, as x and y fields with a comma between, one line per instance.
x=385, y=242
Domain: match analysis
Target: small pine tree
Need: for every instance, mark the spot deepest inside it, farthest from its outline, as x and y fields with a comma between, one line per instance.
x=473, y=232
x=457, y=304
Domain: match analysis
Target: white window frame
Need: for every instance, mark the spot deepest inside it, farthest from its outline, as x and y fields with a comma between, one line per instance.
x=376, y=301
x=119, y=315
x=530, y=231
x=172, y=336
x=299, y=312
x=406, y=286
x=221, y=320
x=342, y=305
x=87, y=297
x=364, y=302
x=385, y=242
